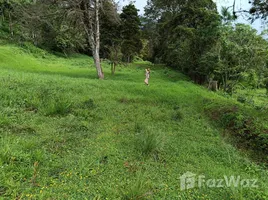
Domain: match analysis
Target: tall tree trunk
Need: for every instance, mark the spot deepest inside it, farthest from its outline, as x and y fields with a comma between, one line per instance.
x=92, y=28
x=113, y=66
x=96, y=49
x=96, y=56
x=10, y=24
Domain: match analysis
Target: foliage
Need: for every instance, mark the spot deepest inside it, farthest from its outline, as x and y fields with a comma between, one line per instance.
x=240, y=56
x=226, y=16
x=245, y=127
x=186, y=31
x=131, y=44
x=190, y=37
x=47, y=26
x=110, y=29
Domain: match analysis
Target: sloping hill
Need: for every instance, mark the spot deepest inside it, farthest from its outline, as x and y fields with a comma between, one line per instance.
x=66, y=135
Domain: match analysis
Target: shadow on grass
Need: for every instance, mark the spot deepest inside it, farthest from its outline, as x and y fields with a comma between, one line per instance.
x=123, y=77
x=71, y=74
x=130, y=76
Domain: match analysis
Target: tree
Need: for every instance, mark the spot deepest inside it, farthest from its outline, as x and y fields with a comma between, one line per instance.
x=115, y=56
x=111, y=37
x=7, y=13
x=130, y=26
x=239, y=57
x=186, y=31
x=226, y=16
x=65, y=24
x=90, y=18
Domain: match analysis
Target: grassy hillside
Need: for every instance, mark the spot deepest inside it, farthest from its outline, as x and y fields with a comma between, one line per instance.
x=66, y=135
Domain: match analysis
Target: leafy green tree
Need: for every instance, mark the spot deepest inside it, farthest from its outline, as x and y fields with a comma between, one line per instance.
x=226, y=16
x=186, y=31
x=7, y=14
x=111, y=35
x=110, y=25
x=47, y=26
x=131, y=33
x=62, y=25
x=239, y=56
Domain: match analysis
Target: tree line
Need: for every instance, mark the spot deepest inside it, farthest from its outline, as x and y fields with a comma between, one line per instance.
x=195, y=38
x=191, y=36
x=93, y=27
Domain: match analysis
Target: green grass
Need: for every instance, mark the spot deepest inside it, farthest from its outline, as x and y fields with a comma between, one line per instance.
x=254, y=97
x=66, y=135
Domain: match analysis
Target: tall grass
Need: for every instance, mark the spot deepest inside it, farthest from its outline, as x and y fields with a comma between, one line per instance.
x=149, y=142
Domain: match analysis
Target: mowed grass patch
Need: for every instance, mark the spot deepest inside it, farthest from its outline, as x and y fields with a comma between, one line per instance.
x=66, y=135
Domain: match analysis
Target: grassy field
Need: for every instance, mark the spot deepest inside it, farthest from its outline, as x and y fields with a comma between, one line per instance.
x=66, y=135
x=253, y=97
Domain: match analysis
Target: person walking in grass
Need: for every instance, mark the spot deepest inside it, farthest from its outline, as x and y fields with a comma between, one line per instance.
x=147, y=76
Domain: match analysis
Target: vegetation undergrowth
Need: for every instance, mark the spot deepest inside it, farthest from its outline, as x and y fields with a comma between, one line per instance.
x=246, y=125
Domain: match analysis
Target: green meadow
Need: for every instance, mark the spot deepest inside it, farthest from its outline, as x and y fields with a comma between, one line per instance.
x=64, y=134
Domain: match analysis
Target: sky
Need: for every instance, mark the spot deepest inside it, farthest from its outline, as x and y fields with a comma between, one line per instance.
x=140, y=4
x=240, y=5
x=243, y=18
